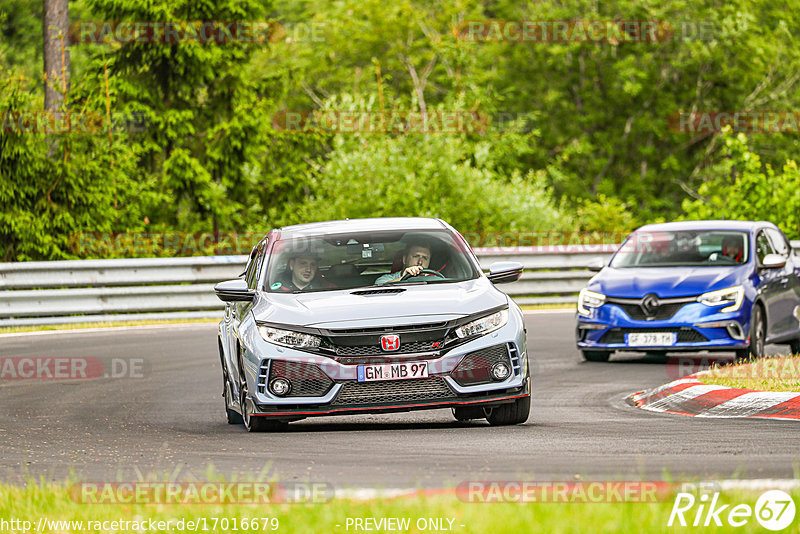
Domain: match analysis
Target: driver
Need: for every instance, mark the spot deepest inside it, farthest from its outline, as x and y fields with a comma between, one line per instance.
x=416, y=257
x=732, y=248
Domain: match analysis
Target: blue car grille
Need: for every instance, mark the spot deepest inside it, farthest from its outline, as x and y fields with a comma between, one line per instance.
x=664, y=309
x=635, y=312
x=684, y=334
x=393, y=391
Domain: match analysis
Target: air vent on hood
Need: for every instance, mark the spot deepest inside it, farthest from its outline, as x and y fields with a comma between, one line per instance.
x=379, y=291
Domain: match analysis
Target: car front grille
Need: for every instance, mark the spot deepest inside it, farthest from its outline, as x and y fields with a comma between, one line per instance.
x=393, y=391
x=474, y=367
x=376, y=350
x=307, y=379
x=685, y=334
x=662, y=312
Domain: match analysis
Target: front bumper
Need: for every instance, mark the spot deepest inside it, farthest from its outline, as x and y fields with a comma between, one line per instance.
x=325, y=386
x=607, y=326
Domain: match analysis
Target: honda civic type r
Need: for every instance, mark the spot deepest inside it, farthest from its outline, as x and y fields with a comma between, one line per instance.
x=690, y=286
x=370, y=316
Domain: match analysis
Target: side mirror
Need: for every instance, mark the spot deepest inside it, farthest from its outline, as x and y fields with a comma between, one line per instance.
x=596, y=265
x=234, y=291
x=504, y=271
x=773, y=261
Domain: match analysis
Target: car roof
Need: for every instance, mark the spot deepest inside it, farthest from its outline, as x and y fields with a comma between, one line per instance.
x=707, y=225
x=377, y=224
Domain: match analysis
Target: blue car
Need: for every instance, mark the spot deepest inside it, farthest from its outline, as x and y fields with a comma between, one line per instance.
x=691, y=286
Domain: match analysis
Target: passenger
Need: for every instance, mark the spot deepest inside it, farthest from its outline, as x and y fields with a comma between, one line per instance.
x=301, y=275
x=416, y=257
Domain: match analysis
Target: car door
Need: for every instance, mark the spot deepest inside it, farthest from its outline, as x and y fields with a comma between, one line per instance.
x=770, y=286
x=787, y=296
x=230, y=312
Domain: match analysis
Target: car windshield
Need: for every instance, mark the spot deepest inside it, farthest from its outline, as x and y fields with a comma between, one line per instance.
x=364, y=259
x=696, y=248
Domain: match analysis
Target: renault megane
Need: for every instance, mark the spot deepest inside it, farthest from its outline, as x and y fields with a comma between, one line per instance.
x=690, y=286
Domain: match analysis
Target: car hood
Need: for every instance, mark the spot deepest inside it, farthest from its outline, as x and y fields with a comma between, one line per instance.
x=343, y=309
x=665, y=281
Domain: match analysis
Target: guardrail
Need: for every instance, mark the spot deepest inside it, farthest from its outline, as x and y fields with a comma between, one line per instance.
x=54, y=292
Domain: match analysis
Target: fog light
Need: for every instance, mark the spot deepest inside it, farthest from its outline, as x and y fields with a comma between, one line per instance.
x=500, y=371
x=280, y=386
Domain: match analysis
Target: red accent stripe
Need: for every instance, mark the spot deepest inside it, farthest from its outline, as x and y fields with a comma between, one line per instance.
x=706, y=401
x=448, y=403
x=789, y=409
x=667, y=392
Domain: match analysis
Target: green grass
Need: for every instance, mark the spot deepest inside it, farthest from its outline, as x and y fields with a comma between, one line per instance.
x=106, y=324
x=53, y=502
x=781, y=373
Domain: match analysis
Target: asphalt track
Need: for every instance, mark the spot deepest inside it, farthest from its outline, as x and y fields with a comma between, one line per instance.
x=168, y=419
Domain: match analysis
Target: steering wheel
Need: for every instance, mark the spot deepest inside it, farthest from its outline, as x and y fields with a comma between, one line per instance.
x=423, y=272
x=718, y=257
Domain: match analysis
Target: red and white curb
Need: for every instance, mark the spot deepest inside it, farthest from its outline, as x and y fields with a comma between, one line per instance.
x=689, y=396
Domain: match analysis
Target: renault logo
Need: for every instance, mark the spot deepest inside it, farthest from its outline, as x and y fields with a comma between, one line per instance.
x=650, y=305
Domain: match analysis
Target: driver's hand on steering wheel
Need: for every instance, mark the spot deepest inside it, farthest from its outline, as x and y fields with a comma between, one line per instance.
x=414, y=270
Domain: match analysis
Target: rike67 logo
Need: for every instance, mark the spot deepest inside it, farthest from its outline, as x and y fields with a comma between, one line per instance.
x=774, y=510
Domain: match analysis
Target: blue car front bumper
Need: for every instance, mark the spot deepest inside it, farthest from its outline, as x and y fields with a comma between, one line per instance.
x=695, y=327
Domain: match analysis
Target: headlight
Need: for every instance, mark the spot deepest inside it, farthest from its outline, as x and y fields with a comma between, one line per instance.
x=733, y=296
x=287, y=338
x=484, y=325
x=589, y=299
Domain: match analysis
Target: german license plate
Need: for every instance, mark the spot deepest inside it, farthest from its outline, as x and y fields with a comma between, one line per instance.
x=651, y=339
x=392, y=371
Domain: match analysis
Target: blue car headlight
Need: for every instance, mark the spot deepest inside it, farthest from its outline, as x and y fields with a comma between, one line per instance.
x=484, y=325
x=732, y=296
x=589, y=299
x=287, y=338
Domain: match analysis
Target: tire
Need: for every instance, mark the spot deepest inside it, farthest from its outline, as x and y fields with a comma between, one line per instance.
x=758, y=332
x=794, y=346
x=596, y=355
x=234, y=417
x=254, y=423
x=514, y=413
x=468, y=413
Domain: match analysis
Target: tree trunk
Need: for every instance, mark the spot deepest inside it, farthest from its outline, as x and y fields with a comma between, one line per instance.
x=55, y=31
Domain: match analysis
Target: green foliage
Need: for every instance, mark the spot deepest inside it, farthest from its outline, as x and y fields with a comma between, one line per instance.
x=580, y=138
x=741, y=187
x=52, y=187
x=431, y=176
x=606, y=215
